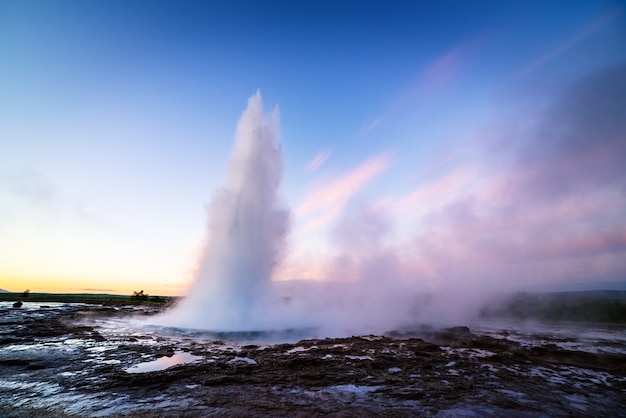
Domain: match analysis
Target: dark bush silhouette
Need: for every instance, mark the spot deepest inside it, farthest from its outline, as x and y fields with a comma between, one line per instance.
x=139, y=295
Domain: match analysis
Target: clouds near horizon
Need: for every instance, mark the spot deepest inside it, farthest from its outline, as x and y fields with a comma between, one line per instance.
x=545, y=208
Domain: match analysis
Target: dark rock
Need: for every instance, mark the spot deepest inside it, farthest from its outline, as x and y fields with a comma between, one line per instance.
x=418, y=372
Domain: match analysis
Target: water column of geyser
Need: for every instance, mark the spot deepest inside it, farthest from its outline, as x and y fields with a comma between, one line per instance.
x=246, y=232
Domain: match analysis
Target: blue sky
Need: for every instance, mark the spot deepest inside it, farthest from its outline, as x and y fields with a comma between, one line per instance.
x=117, y=120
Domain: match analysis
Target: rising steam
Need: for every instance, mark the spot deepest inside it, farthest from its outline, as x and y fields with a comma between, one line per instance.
x=548, y=213
x=245, y=234
x=233, y=290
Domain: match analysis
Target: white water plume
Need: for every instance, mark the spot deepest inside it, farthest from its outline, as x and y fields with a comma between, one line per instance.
x=246, y=233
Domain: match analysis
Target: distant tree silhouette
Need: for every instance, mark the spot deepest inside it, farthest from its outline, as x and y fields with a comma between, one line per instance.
x=26, y=293
x=139, y=295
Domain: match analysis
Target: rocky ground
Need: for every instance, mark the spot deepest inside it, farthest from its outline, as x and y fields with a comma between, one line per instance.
x=66, y=360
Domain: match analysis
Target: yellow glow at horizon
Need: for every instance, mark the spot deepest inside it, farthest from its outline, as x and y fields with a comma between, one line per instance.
x=71, y=261
x=64, y=284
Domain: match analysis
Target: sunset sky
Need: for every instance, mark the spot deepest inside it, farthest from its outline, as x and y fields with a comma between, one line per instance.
x=451, y=143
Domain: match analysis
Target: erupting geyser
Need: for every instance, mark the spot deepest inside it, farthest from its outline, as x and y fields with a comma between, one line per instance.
x=233, y=290
x=246, y=233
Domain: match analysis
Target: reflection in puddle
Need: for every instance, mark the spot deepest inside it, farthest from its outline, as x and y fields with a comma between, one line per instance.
x=163, y=363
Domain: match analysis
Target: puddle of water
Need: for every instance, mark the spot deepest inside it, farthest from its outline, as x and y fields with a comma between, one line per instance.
x=359, y=358
x=356, y=389
x=31, y=306
x=243, y=360
x=569, y=336
x=163, y=363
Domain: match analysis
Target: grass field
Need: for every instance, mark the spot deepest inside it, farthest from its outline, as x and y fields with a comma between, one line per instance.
x=606, y=306
x=99, y=298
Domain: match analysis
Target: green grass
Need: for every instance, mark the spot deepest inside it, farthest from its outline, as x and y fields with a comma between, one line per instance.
x=96, y=298
x=594, y=306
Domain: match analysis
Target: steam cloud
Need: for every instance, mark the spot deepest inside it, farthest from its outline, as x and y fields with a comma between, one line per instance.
x=534, y=205
x=541, y=204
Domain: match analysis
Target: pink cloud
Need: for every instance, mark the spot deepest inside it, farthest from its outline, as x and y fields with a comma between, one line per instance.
x=325, y=203
x=442, y=71
x=322, y=219
x=367, y=128
x=317, y=161
x=428, y=195
x=497, y=221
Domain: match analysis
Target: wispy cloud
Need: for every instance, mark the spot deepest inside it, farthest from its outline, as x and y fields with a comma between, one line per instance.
x=317, y=161
x=368, y=127
x=430, y=80
x=28, y=192
x=323, y=204
x=442, y=71
x=429, y=194
x=574, y=40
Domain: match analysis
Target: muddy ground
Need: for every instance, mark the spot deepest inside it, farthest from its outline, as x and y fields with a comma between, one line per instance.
x=76, y=360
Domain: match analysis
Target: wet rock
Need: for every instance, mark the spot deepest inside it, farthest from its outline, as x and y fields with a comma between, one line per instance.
x=165, y=351
x=14, y=362
x=79, y=366
x=9, y=340
x=36, y=366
